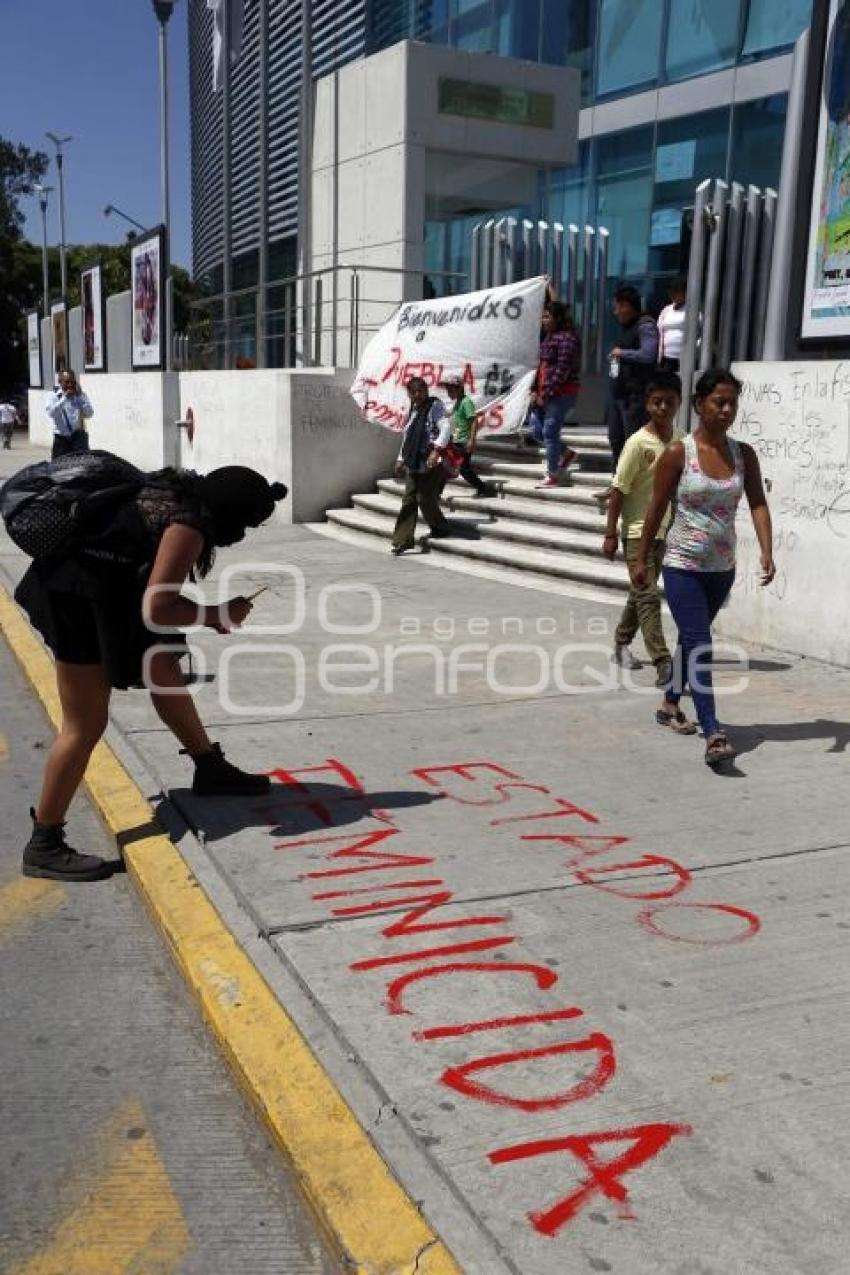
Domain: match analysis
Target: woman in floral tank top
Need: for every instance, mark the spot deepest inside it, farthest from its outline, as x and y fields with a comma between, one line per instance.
x=706, y=475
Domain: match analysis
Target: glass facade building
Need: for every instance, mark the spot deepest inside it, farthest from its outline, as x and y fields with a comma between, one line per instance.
x=637, y=181
x=673, y=91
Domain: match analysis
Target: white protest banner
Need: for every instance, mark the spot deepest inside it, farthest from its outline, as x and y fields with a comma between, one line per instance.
x=490, y=338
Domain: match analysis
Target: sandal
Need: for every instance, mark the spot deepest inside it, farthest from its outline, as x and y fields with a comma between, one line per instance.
x=718, y=750
x=676, y=722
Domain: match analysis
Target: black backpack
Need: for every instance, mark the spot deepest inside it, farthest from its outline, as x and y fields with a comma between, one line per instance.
x=54, y=505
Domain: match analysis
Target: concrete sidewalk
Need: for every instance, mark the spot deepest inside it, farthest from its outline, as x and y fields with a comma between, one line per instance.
x=659, y=1082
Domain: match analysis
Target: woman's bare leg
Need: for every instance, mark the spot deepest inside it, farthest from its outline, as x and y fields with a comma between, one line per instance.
x=174, y=705
x=214, y=775
x=84, y=695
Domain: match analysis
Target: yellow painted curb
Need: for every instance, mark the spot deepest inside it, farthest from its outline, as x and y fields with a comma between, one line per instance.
x=371, y=1221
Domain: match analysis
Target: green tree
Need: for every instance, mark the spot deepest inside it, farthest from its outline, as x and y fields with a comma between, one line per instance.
x=20, y=170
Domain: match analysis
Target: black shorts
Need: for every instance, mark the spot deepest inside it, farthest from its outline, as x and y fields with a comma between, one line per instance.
x=82, y=630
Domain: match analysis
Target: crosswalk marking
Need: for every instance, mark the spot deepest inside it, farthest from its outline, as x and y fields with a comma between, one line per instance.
x=127, y=1220
x=26, y=900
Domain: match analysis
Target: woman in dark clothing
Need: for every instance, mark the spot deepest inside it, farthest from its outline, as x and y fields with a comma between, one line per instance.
x=633, y=362
x=105, y=608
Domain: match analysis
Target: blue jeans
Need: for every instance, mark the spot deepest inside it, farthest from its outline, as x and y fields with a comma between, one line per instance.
x=546, y=425
x=694, y=598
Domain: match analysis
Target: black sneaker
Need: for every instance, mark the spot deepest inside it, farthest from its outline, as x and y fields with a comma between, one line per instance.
x=47, y=854
x=439, y=533
x=216, y=777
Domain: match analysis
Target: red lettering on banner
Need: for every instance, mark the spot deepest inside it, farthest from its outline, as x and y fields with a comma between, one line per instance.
x=373, y=889
x=544, y=977
x=464, y=771
x=454, y=949
x=604, y=1178
x=564, y=809
x=496, y=1024
x=393, y=364
x=751, y=921
x=407, y=923
x=684, y=878
x=457, y=1077
x=392, y=416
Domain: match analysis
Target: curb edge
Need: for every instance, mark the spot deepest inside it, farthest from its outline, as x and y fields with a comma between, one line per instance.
x=345, y=1180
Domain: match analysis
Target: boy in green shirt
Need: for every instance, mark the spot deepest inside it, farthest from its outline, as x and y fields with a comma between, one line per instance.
x=464, y=431
x=631, y=496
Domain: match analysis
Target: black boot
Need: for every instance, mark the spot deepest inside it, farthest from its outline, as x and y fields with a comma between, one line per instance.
x=47, y=854
x=216, y=777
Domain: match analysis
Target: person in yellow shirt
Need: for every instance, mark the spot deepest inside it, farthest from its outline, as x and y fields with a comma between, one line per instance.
x=631, y=495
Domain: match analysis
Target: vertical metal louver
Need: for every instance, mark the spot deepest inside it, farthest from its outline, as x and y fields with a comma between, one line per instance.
x=206, y=137
x=337, y=35
x=245, y=136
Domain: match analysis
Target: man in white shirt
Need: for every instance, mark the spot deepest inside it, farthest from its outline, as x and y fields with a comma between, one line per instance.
x=426, y=436
x=69, y=408
x=8, y=420
x=671, y=326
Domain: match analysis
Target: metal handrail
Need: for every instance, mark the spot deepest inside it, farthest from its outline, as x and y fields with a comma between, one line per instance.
x=295, y=279
x=309, y=317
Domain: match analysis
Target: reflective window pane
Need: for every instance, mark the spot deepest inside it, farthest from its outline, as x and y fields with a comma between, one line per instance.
x=569, y=191
x=624, y=198
x=518, y=29
x=702, y=36
x=774, y=24
x=629, y=39
x=473, y=28
x=687, y=151
x=567, y=37
x=758, y=131
x=389, y=21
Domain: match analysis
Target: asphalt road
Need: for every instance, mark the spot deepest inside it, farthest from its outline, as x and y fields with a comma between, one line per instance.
x=125, y=1145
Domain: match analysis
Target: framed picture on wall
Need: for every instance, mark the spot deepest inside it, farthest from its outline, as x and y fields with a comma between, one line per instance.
x=59, y=330
x=826, y=299
x=147, y=282
x=93, y=305
x=34, y=348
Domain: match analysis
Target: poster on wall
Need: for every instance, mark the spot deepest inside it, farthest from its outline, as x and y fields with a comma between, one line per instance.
x=34, y=348
x=59, y=330
x=94, y=319
x=490, y=339
x=826, y=306
x=147, y=275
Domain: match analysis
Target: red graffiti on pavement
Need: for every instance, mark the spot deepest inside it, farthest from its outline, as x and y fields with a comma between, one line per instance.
x=594, y=861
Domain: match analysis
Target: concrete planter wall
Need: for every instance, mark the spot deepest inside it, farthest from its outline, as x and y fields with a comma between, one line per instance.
x=301, y=428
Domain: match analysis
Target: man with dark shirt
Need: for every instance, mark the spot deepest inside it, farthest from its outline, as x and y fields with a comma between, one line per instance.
x=632, y=362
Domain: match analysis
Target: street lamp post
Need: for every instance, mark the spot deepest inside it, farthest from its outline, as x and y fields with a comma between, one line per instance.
x=163, y=10
x=110, y=209
x=43, y=192
x=59, y=142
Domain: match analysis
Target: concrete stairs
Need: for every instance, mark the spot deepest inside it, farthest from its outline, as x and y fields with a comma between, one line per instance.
x=553, y=533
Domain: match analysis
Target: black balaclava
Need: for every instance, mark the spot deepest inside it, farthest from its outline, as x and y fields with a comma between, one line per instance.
x=237, y=498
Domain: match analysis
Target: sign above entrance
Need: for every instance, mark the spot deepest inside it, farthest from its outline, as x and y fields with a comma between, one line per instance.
x=490, y=339
x=503, y=104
